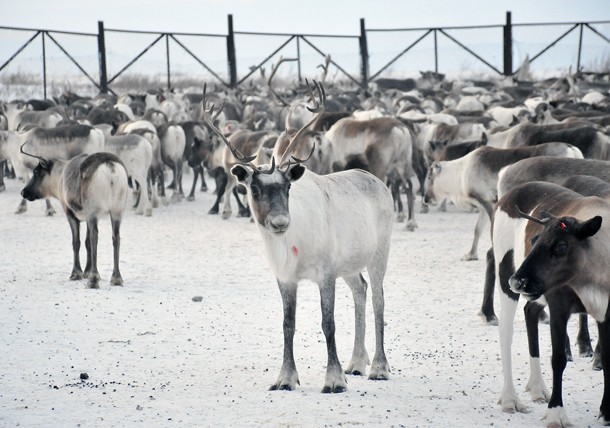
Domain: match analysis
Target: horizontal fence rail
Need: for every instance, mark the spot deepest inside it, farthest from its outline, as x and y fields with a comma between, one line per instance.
x=361, y=44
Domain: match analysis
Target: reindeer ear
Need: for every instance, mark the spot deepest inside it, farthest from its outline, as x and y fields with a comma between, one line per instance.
x=46, y=164
x=294, y=172
x=588, y=228
x=241, y=172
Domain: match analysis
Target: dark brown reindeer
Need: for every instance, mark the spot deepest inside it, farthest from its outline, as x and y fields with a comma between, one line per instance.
x=567, y=263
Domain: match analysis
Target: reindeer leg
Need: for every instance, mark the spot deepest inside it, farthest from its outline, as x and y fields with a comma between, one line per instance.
x=535, y=384
x=288, y=378
x=411, y=223
x=152, y=188
x=509, y=400
x=584, y=339
x=50, y=211
x=556, y=414
x=92, y=232
x=335, y=378
x=176, y=187
x=77, y=271
x=360, y=357
x=380, y=368
x=242, y=210
x=116, y=278
x=22, y=207
x=191, y=196
x=478, y=230
x=161, y=186
x=204, y=185
x=179, y=174
x=597, y=357
x=604, y=338
x=487, y=307
x=221, y=186
x=2, y=168
x=395, y=189
x=226, y=211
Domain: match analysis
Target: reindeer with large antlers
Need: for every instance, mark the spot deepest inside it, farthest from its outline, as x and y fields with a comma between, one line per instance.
x=319, y=228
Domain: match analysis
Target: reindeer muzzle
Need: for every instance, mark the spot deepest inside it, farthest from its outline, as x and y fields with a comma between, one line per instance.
x=278, y=224
x=530, y=289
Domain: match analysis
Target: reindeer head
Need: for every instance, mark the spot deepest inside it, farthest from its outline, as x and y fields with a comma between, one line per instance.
x=557, y=256
x=434, y=171
x=268, y=186
x=43, y=178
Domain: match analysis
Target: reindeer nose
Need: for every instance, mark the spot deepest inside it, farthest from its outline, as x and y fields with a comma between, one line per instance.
x=517, y=285
x=279, y=223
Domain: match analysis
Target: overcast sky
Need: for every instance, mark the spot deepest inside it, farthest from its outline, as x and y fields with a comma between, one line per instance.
x=312, y=16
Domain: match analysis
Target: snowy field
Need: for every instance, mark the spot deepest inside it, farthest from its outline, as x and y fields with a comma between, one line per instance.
x=156, y=358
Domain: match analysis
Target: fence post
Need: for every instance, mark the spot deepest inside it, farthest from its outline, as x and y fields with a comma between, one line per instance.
x=299, y=59
x=579, y=48
x=44, y=66
x=101, y=57
x=169, y=84
x=508, y=45
x=435, y=51
x=364, y=56
x=231, y=54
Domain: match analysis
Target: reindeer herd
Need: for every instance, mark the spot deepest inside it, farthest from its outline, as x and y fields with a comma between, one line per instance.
x=321, y=169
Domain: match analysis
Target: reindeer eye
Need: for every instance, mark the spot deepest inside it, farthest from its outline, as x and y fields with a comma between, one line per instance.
x=560, y=249
x=534, y=240
x=255, y=191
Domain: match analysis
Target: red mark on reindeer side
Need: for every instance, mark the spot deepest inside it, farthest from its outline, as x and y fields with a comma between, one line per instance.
x=562, y=226
x=295, y=251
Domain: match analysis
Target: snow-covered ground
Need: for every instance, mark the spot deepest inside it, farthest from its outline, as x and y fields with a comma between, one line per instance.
x=154, y=357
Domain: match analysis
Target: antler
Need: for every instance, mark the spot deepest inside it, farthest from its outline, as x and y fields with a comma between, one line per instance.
x=238, y=155
x=317, y=109
x=274, y=69
x=534, y=219
x=324, y=67
x=29, y=154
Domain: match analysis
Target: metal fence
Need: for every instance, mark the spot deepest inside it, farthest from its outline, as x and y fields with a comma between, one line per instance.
x=499, y=61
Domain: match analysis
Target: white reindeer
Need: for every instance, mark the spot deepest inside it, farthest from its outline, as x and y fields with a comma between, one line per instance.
x=319, y=228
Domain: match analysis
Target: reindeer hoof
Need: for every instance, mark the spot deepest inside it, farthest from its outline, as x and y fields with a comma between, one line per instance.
x=284, y=388
x=411, y=226
x=75, y=276
x=190, y=198
x=335, y=389
x=489, y=319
